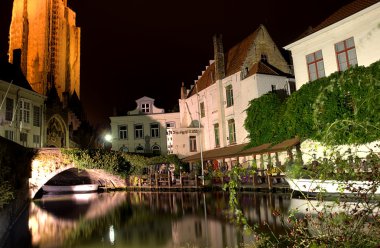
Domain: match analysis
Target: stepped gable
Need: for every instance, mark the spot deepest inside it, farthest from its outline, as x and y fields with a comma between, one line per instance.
x=207, y=79
x=340, y=14
x=234, y=59
x=9, y=72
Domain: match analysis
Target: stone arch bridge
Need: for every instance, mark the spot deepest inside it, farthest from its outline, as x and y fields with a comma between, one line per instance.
x=50, y=163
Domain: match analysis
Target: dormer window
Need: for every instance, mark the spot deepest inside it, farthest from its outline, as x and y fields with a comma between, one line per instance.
x=145, y=108
x=264, y=58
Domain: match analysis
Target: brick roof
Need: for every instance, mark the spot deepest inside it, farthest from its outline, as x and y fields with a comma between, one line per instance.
x=341, y=14
x=265, y=68
x=205, y=81
x=234, y=59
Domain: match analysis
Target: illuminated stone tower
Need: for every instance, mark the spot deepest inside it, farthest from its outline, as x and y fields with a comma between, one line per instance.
x=46, y=33
x=45, y=42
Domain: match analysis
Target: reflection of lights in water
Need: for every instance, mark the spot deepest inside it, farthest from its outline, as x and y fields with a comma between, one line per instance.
x=112, y=235
x=85, y=197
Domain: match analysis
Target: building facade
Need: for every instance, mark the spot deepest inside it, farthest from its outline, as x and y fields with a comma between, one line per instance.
x=45, y=41
x=349, y=37
x=212, y=112
x=144, y=130
x=22, y=110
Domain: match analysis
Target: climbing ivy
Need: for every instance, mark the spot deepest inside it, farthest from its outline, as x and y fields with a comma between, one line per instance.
x=264, y=115
x=340, y=109
x=116, y=162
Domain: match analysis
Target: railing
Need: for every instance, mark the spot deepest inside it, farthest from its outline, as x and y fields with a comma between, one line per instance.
x=261, y=179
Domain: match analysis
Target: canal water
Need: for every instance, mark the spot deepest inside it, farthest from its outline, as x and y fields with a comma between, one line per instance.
x=145, y=219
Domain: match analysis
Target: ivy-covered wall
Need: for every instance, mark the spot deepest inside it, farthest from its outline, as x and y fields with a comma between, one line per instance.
x=118, y=163
x=343, y=108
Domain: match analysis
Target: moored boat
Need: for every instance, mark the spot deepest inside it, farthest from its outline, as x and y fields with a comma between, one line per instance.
x=79, y=188
x=332, y=186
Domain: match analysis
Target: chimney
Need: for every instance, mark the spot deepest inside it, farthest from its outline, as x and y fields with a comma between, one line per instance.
x=17, y=57
x=219, y=57
x=183, y=91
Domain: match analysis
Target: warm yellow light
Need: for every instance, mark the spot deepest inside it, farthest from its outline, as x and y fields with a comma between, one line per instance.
x=108, y=137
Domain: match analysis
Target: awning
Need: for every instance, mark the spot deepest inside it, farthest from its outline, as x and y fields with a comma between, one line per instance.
x=219, y=153
x=240, y=150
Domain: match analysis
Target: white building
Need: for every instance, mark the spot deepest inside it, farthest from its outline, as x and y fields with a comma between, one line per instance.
x=213, y=111
x=143, y=130
x=349, y=37
x=21, y=109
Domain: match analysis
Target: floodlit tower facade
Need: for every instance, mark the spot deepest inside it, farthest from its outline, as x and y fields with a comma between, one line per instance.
x=46, y=33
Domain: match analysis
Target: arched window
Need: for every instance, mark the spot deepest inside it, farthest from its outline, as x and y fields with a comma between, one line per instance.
x=140, y=149
x=156, y=149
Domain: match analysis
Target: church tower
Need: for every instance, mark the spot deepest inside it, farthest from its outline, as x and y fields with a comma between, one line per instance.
x=45, y=41
x=46, y=33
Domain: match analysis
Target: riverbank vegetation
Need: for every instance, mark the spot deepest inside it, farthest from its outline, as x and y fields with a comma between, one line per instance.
x=118, y=163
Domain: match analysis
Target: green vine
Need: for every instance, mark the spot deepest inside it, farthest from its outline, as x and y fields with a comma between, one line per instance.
x=340, y=109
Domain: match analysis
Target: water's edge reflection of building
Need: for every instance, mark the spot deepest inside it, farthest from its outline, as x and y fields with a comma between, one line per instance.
x=159, y=219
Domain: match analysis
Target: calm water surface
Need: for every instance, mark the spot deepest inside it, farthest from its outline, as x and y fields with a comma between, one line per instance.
x=134, y=219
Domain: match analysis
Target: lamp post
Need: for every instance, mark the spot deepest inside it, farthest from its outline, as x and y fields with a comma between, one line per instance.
x=107, y=138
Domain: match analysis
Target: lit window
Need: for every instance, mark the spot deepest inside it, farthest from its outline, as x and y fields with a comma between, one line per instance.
x=315, y=65
x=231, y=131
x=123, y=132
x=264, y=57
x=139, y=131
x=202, y=106
x=154, y=130
x=216, y=133
x=9, y=109
x=36, y=116
x=145, y=108
x=229, y=96
x=346, y=54
x=193, y=144
x=24, y=111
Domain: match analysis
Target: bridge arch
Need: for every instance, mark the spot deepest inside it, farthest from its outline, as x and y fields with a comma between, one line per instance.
x=49, y=162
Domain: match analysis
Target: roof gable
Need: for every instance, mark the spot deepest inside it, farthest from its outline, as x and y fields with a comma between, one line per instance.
x=12, y=73
x=342, y=13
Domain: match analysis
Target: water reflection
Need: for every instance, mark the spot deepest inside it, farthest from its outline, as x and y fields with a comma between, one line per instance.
x=157, y=219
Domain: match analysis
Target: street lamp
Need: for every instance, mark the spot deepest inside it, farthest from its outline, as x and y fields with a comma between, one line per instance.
x=107, y=138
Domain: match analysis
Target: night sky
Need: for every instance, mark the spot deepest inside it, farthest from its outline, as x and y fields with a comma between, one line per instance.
x=135, y=48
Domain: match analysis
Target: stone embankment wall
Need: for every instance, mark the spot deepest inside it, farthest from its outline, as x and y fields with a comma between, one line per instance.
x=17, y=160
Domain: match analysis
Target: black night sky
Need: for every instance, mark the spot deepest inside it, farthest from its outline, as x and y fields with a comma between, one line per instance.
x=138, y=47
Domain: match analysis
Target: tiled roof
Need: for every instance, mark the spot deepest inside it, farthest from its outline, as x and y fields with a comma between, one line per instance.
x=205, y=81
x=235, y=57
x=265, y=68
x=9, y=72
x=341, y=14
